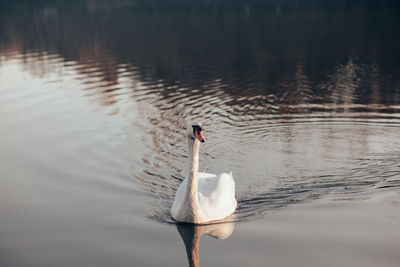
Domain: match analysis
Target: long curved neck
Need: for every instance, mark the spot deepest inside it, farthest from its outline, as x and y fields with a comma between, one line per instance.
x=192, y=187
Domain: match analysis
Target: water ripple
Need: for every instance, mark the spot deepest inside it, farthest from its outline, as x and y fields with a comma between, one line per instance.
x=290, y=126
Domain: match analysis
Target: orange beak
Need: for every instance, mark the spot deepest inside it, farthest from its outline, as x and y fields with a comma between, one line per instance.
x=200, y=136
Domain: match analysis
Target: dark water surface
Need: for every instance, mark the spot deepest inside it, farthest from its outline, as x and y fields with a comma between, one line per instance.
x=299, y=99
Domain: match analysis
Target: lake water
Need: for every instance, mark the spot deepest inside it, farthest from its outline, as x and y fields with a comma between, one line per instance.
x=300, y=100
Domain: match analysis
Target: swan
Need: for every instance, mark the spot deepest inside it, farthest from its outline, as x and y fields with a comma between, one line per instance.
x=202, y=197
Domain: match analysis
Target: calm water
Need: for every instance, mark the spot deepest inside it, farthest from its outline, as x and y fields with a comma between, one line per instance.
x=300, y=100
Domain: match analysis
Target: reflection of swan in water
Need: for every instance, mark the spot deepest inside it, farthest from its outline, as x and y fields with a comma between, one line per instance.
x=191, y=234
x=203, y=197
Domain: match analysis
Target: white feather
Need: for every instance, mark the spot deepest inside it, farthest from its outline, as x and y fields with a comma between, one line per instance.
x=216, y=196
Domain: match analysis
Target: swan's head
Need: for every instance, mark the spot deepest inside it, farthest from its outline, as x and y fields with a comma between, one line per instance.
x=195, y=131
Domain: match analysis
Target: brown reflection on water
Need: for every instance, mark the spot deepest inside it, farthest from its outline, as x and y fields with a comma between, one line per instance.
x=191, y=234
x=267, y=57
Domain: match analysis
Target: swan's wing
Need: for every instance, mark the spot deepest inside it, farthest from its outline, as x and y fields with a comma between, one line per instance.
x=180, y=193
x=179, y=197
x=217, y=195
x=212, y=184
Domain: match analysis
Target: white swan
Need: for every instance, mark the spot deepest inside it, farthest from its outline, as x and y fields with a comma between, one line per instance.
x=203, y=197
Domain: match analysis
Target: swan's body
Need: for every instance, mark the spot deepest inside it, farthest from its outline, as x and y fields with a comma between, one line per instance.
x=216, y=199
x=203, y=197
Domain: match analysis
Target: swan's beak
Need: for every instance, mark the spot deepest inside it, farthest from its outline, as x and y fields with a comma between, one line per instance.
x=200, y=136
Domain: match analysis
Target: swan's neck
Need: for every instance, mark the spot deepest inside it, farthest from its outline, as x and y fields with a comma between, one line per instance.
x=192, y=187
